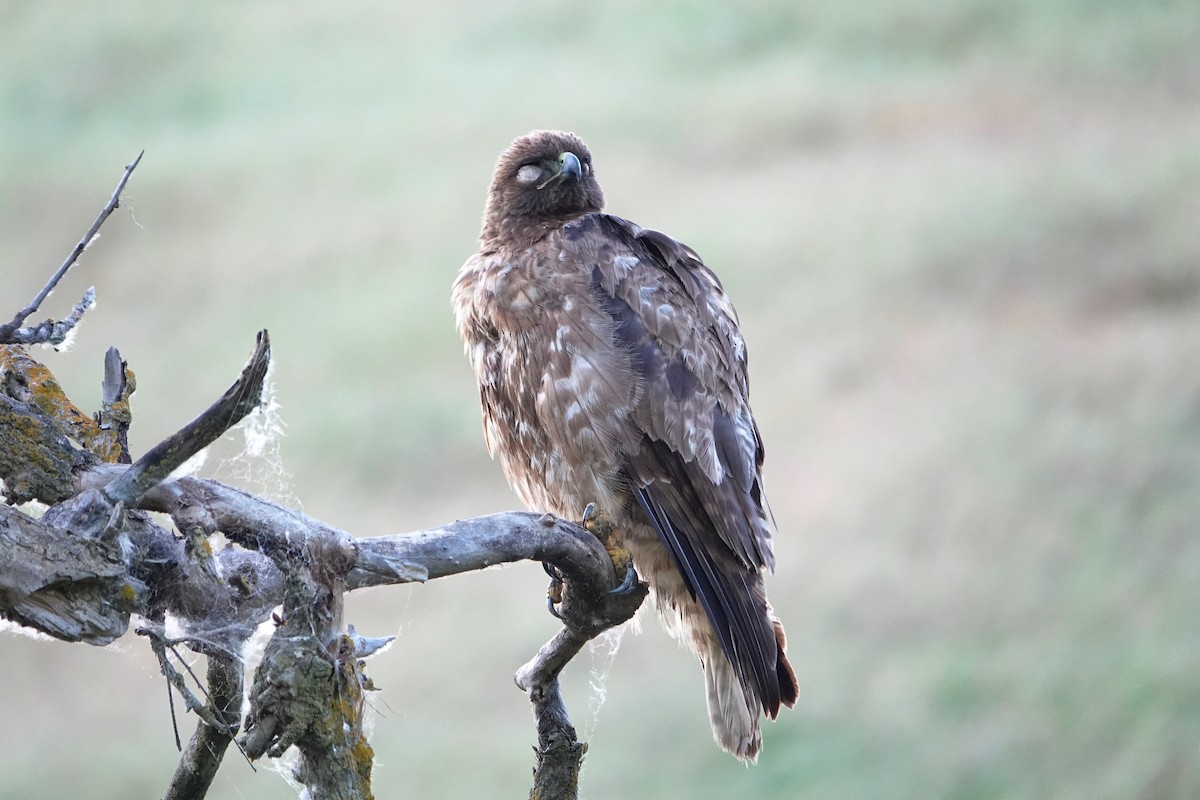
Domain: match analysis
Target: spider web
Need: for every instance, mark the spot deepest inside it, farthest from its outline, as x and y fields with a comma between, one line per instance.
x=258, y=466
x=603, y=651
x=249, y=455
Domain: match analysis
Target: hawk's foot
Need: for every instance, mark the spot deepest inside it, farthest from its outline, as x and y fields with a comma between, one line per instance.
x=630, y=582
x=554, y=592
x=603, y=528
x=597, y=523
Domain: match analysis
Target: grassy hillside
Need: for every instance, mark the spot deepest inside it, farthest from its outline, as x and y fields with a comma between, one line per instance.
x=963, y=241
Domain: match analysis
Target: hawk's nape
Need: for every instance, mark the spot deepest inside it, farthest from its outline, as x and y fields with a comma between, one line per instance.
x=611, y=370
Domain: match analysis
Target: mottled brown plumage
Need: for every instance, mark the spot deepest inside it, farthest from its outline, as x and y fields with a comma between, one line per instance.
x=611, y=370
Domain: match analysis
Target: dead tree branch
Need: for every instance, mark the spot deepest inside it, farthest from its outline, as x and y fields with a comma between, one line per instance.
x=233, y=590
x=56, y=332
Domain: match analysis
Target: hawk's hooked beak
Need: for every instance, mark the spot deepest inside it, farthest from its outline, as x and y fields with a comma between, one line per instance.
x=569, y=169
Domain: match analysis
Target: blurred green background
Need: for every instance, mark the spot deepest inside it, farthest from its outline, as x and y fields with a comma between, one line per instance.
x=964, y=239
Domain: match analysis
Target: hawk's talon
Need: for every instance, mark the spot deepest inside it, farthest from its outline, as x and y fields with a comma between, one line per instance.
x=604, y=528
x=630, y=581
x=554, y=592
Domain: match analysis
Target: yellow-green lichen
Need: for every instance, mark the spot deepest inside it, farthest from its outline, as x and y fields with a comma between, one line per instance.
x=42, y=390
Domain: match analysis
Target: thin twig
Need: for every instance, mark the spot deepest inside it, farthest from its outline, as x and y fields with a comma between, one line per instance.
x=175, y=651
x=113, y=203
x=210, y=710
x=175, y=678
x=51, y=331
x=174, y=720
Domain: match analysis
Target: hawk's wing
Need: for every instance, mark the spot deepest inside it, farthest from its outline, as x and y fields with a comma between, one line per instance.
x=696, y=472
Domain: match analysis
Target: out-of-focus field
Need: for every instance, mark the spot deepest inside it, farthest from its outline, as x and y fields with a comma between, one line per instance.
x=964, y=239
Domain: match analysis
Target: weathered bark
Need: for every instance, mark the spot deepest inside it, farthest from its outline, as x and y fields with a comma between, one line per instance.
x=37, y=426
x=71, y=587
x=308, y=690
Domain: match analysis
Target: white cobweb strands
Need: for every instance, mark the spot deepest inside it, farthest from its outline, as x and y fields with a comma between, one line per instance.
x=603, y=650
x=259, y=464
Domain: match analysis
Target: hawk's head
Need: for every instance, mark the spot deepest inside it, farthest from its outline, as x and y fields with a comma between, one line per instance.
x=543, y=176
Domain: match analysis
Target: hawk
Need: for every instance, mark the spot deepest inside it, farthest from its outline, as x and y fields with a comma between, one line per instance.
x=611, y=371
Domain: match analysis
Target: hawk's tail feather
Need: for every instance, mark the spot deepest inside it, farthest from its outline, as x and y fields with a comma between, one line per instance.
x=732, y=711
x=733, y=704
x=789, y=687
x=745, y=666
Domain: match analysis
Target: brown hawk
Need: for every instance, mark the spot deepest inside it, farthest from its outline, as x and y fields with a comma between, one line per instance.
x=611, y=370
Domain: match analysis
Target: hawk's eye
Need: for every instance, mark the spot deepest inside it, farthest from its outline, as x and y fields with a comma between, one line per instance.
x=529, y=174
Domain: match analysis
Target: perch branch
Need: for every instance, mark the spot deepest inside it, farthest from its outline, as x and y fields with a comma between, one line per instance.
x=472, y=544
x=457, y=547
x=588, y=609
x=323, y=562
x=461, y=546
x=55, y=332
